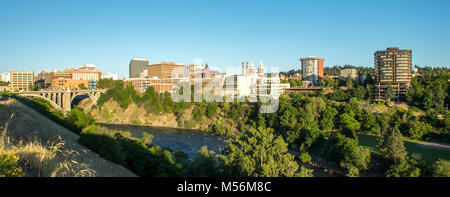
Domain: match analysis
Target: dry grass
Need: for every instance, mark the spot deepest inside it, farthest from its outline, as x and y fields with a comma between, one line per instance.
x=37, y=160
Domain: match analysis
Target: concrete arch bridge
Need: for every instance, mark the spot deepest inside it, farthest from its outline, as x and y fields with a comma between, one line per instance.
x=63, y=99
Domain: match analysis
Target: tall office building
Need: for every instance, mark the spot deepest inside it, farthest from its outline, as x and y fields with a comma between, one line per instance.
x=312, y=69
x=164, y=70
x=22, y=81
x=393, y=73
x=137, y=66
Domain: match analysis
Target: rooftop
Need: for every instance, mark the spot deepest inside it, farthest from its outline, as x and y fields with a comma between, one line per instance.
x=311, y=58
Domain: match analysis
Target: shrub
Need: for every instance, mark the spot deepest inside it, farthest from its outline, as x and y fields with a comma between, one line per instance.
x=339, y=95
x=204, y=164
x=441, y=168
x=349, y=154
x=211, y=109
x=220, y=128
x=305, y=172
x=305, y=157
x=138, y=155
x=190, y=124
x=8, y=166
x=80, y=119
x=418, y=129
x=403, y=168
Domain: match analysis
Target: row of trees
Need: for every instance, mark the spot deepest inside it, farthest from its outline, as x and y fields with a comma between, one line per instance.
x=430, y=92
x=153, y=102
x=293, y=82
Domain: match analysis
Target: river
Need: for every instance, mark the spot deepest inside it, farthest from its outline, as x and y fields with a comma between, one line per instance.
x=189, y=141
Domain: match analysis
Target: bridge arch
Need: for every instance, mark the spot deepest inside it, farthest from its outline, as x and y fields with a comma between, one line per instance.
x=64, y=99
x=87, y=94
x=56, y=106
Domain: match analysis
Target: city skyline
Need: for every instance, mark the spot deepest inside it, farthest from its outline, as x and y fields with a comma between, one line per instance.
x=55, y=35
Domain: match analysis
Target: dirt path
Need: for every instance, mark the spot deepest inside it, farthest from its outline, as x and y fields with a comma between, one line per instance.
x=434, y=145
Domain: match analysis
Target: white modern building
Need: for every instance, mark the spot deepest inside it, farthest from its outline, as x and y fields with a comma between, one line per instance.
x=6, y=77
x=252, y=84
x=109, y=76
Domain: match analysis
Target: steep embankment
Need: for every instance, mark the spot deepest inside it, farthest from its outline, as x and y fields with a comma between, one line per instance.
x=112, y=113
x=27, y=125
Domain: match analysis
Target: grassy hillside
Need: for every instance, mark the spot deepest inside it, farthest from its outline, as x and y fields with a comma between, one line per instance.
x=428, y=153
x=44, y=148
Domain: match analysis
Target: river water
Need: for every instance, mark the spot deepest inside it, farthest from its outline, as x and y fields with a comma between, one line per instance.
x=189, y=141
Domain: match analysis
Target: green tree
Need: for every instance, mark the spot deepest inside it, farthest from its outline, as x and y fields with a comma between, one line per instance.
x=441, y=168
x=329, y=83
x=199, y=112
x=211, y=109
x=349, y=154
x=369, y=123
x=391, y=145
x=36, y=87
x=110, y=84
x=258, y=153
x=404, y=168
x=327, y=119
x=81, y=86
x=389, y=93
x=419, y=129
x=305, y=157
x=80, y=119
x=349, y=125
x=204, y=164
x=305, y=172
x=359, y=92
x=430, y=91
x=349, y=82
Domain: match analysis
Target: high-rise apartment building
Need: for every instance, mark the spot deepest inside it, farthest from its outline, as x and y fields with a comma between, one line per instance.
x=393, y=73
x=137, y=66
x=312, y=69
x=21, y=81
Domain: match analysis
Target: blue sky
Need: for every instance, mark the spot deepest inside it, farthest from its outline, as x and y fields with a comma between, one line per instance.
x=45, y=34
